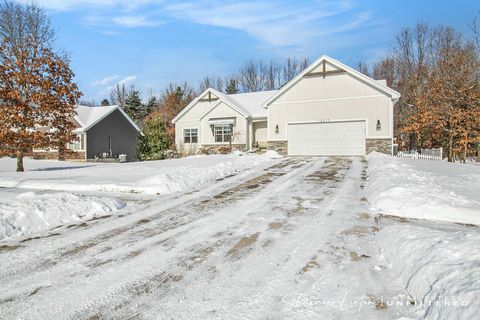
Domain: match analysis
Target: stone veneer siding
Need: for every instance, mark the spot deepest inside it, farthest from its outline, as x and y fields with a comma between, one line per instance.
x=379, y=145
x=280, y=146
x=53, y=155
x=221, y=148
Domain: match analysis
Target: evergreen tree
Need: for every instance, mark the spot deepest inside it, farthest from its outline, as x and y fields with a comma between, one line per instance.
x=105, y=102
x=153, y=145
x=133, y=105
x=231, y=87
x=151, y=106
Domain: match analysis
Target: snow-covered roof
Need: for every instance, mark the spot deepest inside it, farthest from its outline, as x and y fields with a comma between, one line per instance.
x=381, y=86
x=247, y=104
x=252, y=101
x=87, y=116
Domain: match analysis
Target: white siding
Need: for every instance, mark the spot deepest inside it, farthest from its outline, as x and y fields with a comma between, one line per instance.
x=223, y=111
x=335, y=97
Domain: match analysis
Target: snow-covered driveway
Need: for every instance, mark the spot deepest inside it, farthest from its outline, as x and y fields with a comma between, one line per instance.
x=293, y=240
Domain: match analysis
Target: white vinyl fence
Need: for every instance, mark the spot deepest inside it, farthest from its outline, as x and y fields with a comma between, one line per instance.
x=426, y=154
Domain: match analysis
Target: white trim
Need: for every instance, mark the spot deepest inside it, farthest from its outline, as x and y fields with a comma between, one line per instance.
x=221, y=98
x=277, y=140
x=82, y=125
x=365, y=120
x=328, y=121
x=198, y=135
x=379, y=137
x=222, y=121
x=210, y=109
x=85, y=145
x=331, y=99
x=109, y=113
x=390, y=92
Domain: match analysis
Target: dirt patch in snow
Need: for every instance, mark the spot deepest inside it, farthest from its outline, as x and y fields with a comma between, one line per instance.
x=356, y=257
x=276, y=225
x=364, y=216
x=78, y=249
x=378, y=303
x=359, y=231
x=8, y=248
x=312, y=264
x=242, y=244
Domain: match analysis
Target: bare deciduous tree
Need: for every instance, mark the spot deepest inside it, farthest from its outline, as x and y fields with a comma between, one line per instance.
x=118, y=95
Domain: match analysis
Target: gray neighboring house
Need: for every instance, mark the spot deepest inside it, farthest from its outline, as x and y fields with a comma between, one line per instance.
x=105, y=130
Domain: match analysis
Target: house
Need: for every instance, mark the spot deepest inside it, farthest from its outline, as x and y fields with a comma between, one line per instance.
x=105, y=130
x=328, y=109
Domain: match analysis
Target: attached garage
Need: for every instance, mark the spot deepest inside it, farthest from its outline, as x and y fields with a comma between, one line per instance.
x=335, y=138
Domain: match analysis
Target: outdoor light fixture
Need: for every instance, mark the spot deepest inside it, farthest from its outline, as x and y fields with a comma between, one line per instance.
x=211, y=127
x=276, y=129
x=379, y=125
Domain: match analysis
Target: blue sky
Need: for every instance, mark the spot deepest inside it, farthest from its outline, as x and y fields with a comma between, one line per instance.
x=150, y=43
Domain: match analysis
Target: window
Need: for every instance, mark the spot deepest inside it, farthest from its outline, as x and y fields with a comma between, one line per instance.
x=190, y=135
x=77, y=144
x=223, y=133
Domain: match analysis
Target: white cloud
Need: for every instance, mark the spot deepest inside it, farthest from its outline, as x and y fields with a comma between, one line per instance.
x=109, y=85
x=276, y=23
x=127, y=80
x=65, y=5
x=105, y=81
x=136, y=21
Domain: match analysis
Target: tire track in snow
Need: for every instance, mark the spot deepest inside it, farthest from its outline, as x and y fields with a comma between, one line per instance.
x=81, y=250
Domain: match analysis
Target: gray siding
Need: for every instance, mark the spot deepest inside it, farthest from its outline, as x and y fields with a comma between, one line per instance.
x=124, y=137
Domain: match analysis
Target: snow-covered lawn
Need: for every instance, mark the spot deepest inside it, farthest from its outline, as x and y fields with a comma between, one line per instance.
x=440, y=267
x=151, y=177
x=296, y=238
x=29, y=212
x=438, y=262
x=424, y=189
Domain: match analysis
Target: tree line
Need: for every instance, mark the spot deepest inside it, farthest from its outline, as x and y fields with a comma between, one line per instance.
x=437, y=71
x=155, y=114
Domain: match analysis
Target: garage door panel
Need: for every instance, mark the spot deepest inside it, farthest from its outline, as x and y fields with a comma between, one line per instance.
x=327, y=138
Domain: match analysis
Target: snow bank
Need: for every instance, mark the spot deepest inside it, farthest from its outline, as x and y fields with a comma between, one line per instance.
x=424, y=189
x=185, y=178
x=440, y=268
x=30, y=212
x=152, y=177
x=273, y=154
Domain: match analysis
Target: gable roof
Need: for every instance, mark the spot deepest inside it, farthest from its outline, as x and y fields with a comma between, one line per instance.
x=247, y=104
x=88, y=117
x=222, y=97
x=394, y=95
x=252, y=101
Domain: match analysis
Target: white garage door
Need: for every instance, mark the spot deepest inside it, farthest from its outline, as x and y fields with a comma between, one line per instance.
x=346, y=138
